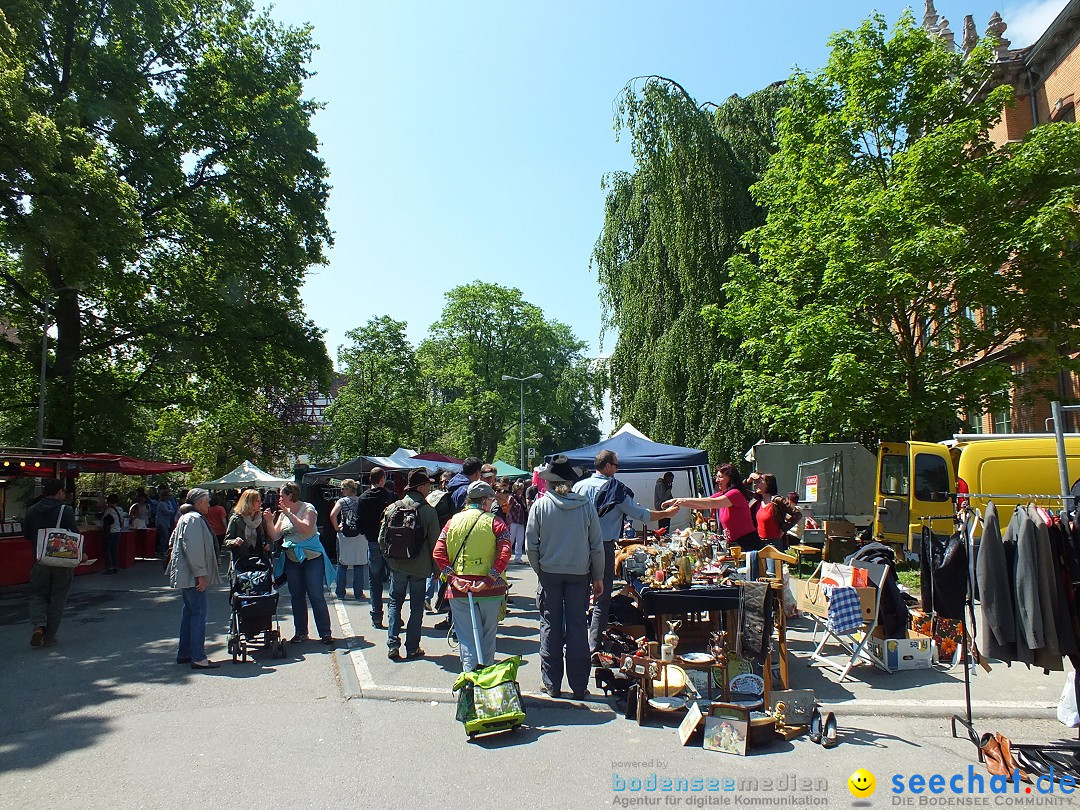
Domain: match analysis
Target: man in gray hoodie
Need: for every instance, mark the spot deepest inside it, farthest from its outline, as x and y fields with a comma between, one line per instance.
x=563, y=543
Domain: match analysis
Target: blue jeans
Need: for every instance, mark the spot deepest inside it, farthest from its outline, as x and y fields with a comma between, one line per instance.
x=112, y=551
x=487, y=610
x=306, y=582
x=358, y=577
x=400, y=584
x=193, y=625
x=603, y=602
x=432, y=587
x=562, y=600
x=377, y=572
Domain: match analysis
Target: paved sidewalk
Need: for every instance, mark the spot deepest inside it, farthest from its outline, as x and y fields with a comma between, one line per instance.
x=106, y=720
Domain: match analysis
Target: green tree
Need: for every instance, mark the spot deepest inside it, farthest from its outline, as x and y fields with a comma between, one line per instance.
x=894, y=228
x=487, y=331
x=375, y=412
x=160, y=202
x=669, y=228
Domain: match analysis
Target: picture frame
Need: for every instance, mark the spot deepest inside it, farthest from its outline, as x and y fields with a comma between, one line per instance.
x=726, y=728
x=690, y=723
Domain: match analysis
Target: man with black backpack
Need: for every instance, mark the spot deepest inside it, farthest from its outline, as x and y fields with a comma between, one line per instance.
x=407, y=537
x=372, y=505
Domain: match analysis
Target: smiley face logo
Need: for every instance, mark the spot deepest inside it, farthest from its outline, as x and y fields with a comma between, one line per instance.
x=862, y=784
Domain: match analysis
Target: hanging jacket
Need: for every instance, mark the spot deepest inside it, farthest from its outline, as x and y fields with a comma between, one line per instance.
x=1051, y=599
x=1030, y=631
x=944, y=568
x=993, y=572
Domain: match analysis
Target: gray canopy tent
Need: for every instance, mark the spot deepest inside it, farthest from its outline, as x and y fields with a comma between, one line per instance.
x=246, y=475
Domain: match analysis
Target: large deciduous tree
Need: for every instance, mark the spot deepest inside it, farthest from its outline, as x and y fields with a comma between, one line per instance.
x=669, y=228
x=161, y=199
x=377, y=410
x=902, y=249
x=487, y=331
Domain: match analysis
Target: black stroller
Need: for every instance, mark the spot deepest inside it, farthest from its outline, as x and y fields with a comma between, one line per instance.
x=254, y=600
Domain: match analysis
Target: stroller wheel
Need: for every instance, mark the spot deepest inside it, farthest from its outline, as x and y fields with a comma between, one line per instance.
x=243, y=652
x=279, y=650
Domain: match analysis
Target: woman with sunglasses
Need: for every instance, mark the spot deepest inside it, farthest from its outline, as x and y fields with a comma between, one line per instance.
x=306, y=564
x=732, y=505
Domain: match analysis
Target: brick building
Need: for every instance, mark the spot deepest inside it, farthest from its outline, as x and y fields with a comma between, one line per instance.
x=1045, y=77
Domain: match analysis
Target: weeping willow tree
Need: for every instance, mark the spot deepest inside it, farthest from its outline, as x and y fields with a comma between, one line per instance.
x=669, y=228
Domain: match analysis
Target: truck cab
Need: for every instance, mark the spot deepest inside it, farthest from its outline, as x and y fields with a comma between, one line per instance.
x=914, y=485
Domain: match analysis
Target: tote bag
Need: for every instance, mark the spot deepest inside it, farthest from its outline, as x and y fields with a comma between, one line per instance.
x=58, y=547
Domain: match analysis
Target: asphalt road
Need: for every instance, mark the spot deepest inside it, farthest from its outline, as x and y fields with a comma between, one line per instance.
x=106, y=719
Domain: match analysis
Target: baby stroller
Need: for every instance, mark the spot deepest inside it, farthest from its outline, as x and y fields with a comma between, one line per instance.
x=254, y=599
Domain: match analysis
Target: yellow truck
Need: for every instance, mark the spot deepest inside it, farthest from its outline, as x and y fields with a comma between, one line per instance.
x=915, y=480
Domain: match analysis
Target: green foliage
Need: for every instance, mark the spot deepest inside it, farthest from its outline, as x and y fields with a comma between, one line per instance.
x=669, y=228
x=377, y=410
x=487, y=331
x=892, y=223
x=161, y=195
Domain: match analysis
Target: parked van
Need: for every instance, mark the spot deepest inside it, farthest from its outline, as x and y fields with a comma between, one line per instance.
x=915, y=480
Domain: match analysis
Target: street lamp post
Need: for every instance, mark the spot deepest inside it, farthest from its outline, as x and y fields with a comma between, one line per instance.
x=522, y=380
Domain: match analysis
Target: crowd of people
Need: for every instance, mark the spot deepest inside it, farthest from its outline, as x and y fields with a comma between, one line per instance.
x=442, y=545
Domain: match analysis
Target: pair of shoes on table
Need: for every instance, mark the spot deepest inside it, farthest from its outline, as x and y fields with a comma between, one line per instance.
x=823, y=729
x=208, y=665
x=551, y=691
x=37, y=637
x=394, y=655
x=298, y=638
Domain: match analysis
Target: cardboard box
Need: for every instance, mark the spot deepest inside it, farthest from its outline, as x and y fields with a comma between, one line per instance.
x=895, y=654
x=812, y=599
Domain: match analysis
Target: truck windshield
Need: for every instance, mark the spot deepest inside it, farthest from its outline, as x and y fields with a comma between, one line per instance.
x=894, y=476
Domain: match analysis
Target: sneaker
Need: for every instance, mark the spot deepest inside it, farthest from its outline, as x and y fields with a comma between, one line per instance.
x=298, y=639
x=417, y=653
x=362, y=597
x=37, y=637
x=519, y=561
x=378, y=623
x=427, y=607
x=327, y=640
x=551, y=692
x=394, y=655
x=340, y=596
x=445, y=624
x=582, y=695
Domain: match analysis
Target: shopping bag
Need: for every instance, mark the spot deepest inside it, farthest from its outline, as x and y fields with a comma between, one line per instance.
x=59, y=548
x=836, y=575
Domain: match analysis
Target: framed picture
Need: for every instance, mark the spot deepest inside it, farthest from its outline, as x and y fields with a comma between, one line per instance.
x=798, y=705
x=690, y=723
x=725, y=729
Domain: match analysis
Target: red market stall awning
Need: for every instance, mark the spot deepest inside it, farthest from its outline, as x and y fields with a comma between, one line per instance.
x=110, y=463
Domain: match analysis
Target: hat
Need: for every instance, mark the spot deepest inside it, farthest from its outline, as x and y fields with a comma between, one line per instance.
x=478, y=490
x=490, y=472
x=196, y=494
x=417, y=478
x=559, y=471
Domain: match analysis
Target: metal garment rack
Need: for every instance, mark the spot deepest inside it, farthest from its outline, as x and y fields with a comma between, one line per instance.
x=1067, y=499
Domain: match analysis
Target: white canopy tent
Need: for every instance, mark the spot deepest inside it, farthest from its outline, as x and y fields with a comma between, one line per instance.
x=246, y=475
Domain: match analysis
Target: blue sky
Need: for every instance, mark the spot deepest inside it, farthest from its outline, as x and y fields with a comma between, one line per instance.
x=468, y=140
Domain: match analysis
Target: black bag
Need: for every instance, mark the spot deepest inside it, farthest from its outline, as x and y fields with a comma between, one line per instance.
x=403, y=533
x=350, y=517
x=108, y=519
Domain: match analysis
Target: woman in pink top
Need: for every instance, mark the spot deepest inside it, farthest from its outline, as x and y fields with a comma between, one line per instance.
x=732, y=505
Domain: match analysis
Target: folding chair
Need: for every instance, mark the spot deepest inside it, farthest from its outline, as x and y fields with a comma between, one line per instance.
x=854, y=649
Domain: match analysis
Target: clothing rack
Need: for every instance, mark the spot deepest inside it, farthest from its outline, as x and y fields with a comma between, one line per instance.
x=969, y=603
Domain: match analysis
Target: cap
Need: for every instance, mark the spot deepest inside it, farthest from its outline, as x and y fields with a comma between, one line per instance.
x=478, y=490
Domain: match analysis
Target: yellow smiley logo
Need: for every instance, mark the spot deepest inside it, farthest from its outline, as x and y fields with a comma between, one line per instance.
x=862, y=784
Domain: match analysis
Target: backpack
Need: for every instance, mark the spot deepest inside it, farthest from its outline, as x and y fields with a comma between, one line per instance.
x=350, y=518
x=108, y=519
x=403, y=533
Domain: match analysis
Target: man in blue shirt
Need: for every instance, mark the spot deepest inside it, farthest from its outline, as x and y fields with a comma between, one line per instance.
x=614, y=502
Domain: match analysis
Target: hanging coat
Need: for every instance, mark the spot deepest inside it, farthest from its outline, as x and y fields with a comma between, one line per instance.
x=993, y=572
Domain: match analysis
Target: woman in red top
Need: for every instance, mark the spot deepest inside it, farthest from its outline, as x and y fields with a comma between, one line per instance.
x=732, y=505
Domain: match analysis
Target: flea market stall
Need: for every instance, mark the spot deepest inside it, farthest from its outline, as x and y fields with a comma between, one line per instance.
x=17, y=471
